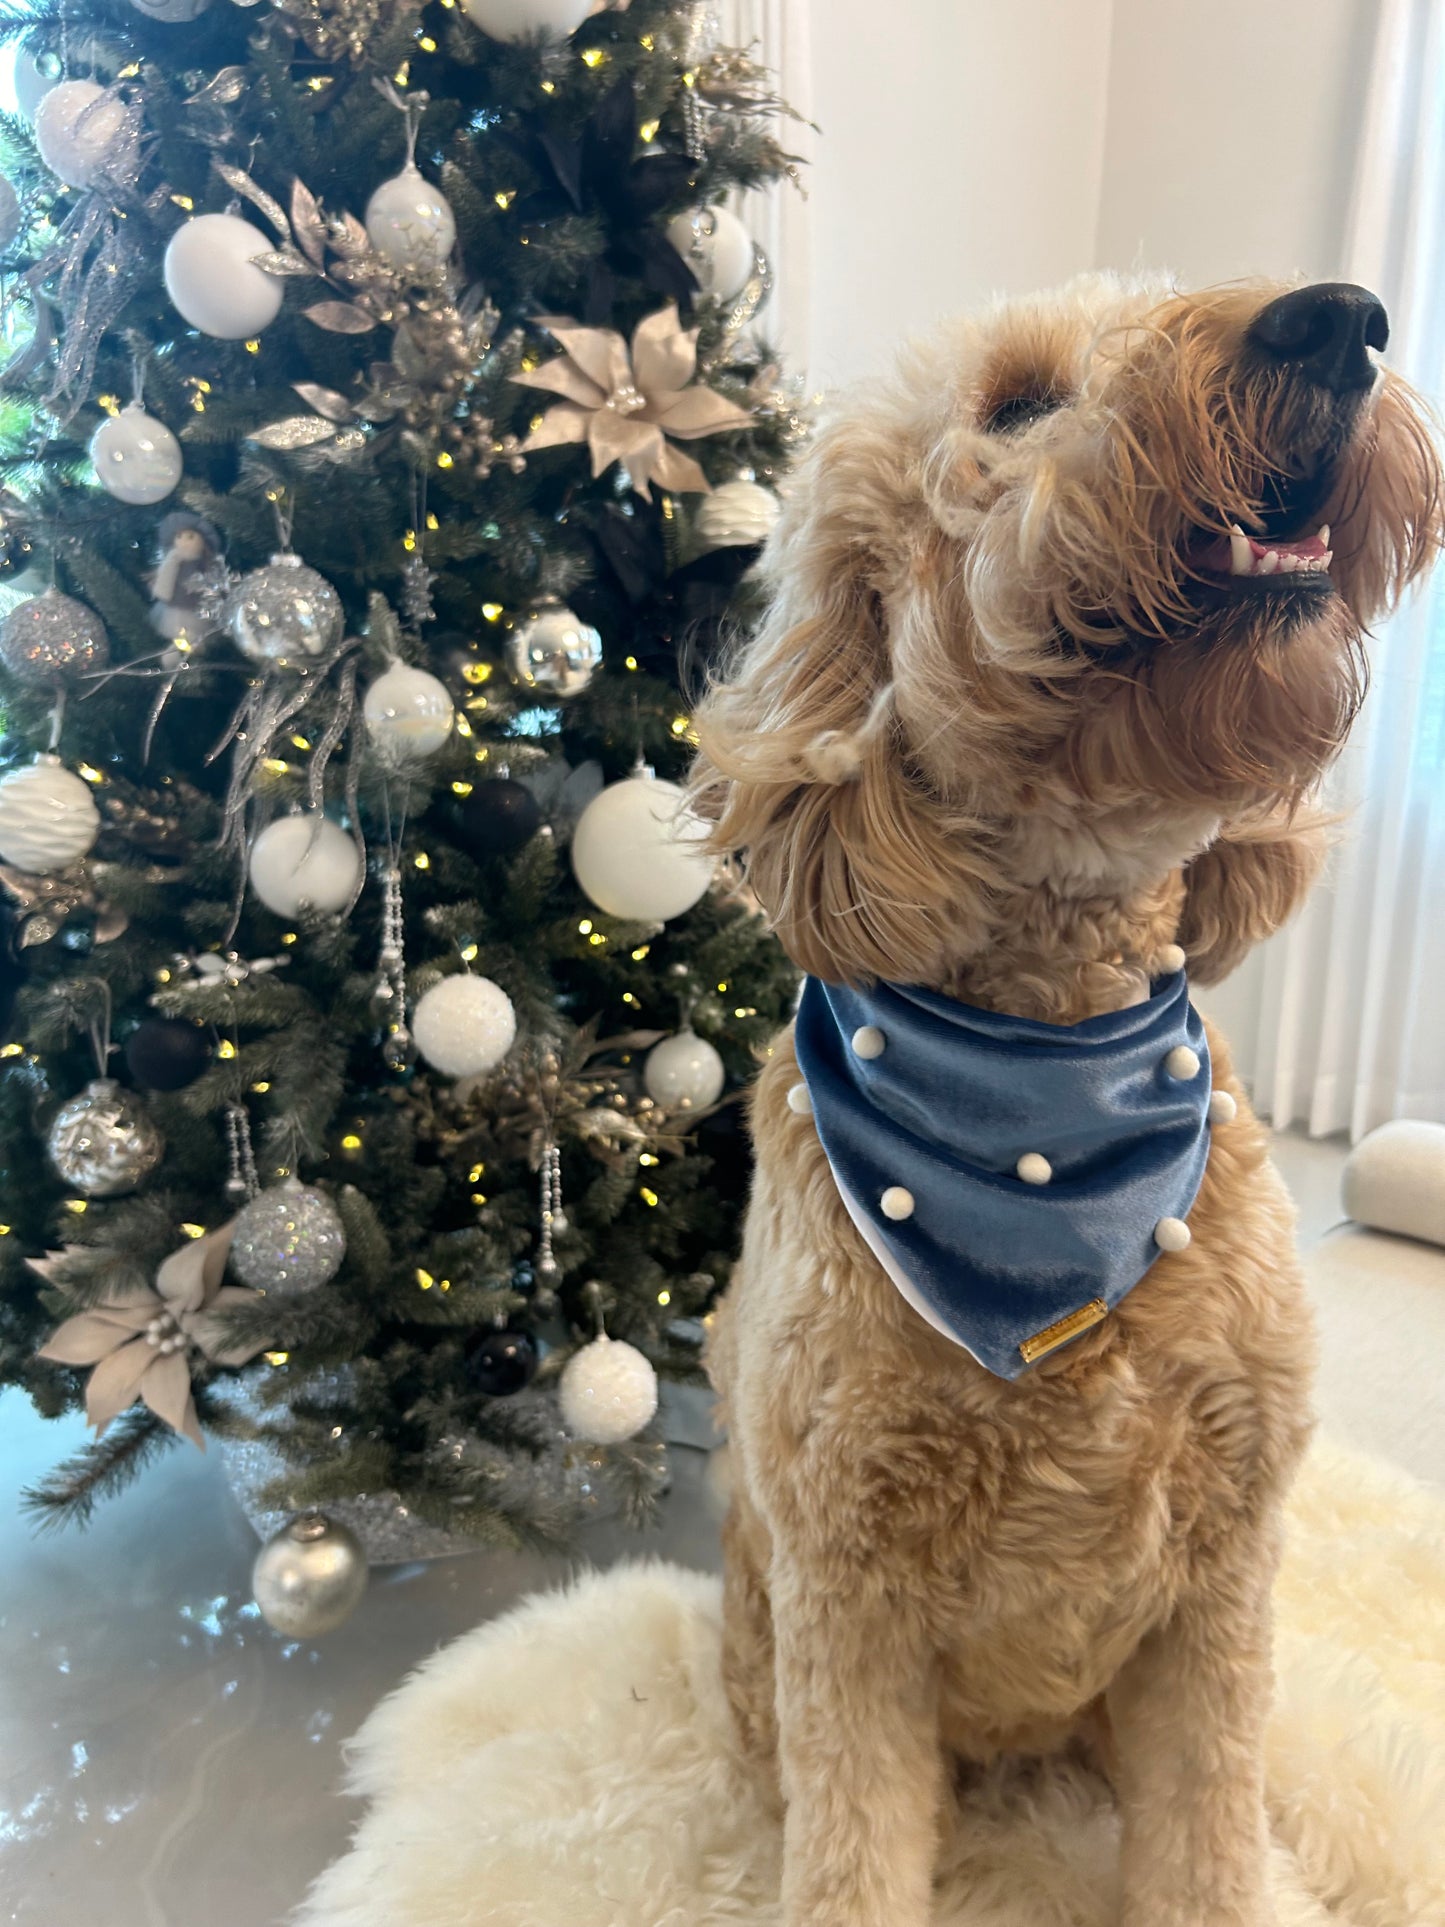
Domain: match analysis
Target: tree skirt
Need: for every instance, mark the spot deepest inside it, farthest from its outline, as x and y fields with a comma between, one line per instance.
x=573, y=1762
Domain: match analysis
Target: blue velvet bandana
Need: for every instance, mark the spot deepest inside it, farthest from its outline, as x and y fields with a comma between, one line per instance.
x=1015, y=1179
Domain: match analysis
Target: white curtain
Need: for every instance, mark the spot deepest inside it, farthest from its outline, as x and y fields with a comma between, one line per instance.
x=777, y=31
x=1352, y=996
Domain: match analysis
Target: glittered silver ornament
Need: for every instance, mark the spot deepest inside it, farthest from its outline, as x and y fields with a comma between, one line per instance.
x=52, y=636
x=288, y=1241
x=309, y=1579
x=552, y=649
x=284, y=613
x=103, y=1143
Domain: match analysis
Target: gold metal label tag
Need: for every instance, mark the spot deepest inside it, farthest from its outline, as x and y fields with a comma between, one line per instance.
x=1061, y=1332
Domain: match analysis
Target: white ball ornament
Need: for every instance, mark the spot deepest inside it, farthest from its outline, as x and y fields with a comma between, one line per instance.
x=607, y=1393
x=408, y=714
x=82, y=135
x=410, y=223
x=305, y=863
x=717, y=247
x=521, y=19
x=684, y=1073
x=637, y=851
x=737, y=515
x=309, y=1579
x=137, y=458
x=48, y=818
x=212, y=278
x=464, y=1026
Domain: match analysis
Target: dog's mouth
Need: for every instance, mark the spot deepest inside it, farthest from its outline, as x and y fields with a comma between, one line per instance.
x=1287, y=546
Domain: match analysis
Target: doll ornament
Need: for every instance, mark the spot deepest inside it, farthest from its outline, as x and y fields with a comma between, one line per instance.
x=188, y=583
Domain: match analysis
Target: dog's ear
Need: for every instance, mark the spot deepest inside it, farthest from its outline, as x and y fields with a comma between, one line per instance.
x=1244, y=887
x=803, y=769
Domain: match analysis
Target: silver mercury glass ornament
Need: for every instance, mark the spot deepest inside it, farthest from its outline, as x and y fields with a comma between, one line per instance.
x=103, y=1143
x=309, y=1579
x=289, y=1240
x=552, y=649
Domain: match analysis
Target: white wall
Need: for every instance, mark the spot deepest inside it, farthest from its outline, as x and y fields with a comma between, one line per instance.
x=1230, y=135
x=961, y=155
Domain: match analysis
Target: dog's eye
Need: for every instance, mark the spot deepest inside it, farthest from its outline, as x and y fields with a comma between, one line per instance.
x=1020, y=411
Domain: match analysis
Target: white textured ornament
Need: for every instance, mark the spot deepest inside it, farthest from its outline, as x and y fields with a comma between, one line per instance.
x=716, y=246
x=212, y=278
x=288, y=1241
x=552, y=648
x=137, y=458
x=737, y=515
x=309, y=1579
x=284, y=612
x=684, y=1073
x=11, y=214
x=103, y=1142
x=52, y=636
x=408, y=714
x=464, y=1026
x=409, y=222
x=522, y=19
x=636, y=851
x=81, y=135
x=48, y=818
x=305, y=863
x=607, y=1393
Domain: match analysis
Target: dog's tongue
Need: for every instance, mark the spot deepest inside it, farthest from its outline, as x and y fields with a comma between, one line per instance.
x=1241, y=554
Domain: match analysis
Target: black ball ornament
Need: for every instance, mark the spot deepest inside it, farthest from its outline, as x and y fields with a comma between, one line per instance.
x=501, y=1362
x=497, y=818
x=167, y=1053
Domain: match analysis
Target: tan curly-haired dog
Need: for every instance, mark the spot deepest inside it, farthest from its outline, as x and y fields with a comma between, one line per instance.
x=1030, y=709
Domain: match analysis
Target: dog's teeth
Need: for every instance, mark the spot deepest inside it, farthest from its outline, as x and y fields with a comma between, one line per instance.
x=1327, y=558
x=1288, y=563
x=1241, y=555
x=1324, y=535
x=1268, y=562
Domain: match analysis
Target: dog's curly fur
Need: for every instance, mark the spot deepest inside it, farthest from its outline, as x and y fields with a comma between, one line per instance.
x=1004, y=733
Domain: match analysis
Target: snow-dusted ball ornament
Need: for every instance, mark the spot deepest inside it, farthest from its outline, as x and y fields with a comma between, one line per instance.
x=51, y=637
x=212, y=278
x=48, y=818
x=637, y=851
x=305, y=862
x=410, y=223
x=684, y=1073
x=309, y=1578
x=737, y=515
x=104, y=1143
x=408, y=714
x=523, y=19
x=84, y=133
x=464, y=1026
x=717, y=247
x=553, y=649
x=12, y=214
x=137, y=458
x=284, y=612
x=608, y=1392
x=289, y=1240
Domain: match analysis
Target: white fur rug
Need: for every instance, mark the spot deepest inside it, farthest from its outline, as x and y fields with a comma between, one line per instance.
x=572, y=1764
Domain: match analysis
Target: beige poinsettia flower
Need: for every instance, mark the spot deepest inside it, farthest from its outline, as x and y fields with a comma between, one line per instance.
x=141, y=1342
x=625, y=406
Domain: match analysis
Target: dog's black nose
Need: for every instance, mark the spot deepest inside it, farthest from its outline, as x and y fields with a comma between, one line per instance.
x=1323, y=333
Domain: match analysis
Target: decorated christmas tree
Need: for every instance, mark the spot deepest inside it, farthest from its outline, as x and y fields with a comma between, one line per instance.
x=387, y=435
